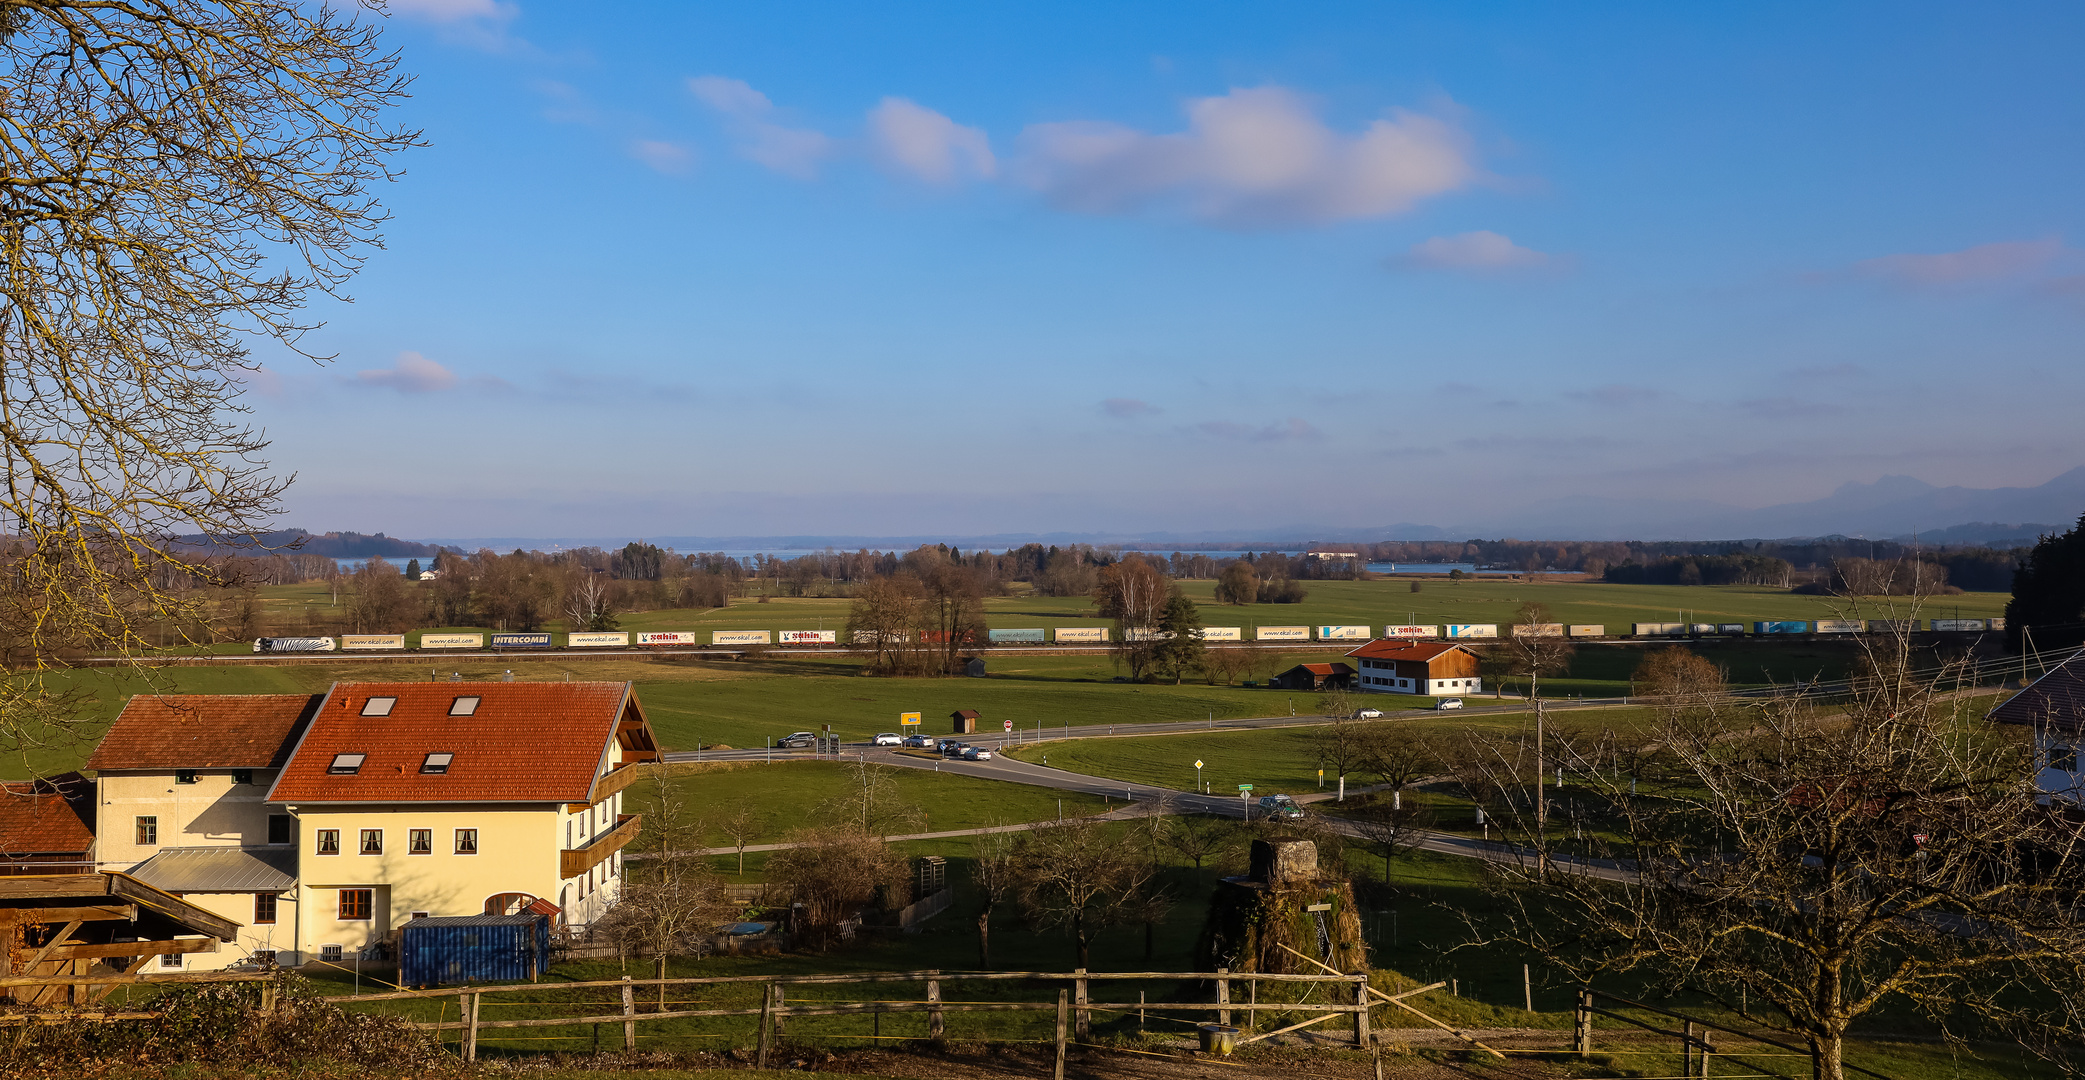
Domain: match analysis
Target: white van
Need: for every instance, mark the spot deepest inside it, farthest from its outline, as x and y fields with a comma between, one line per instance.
x=1447, y=703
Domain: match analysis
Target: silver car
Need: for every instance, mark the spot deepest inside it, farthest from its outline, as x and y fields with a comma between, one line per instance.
x=888, y=738
x=977, y=753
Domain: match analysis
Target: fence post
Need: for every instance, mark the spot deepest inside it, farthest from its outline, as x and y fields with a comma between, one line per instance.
x=1140, y=1012
x=1223, y=995
x=1252, y=998
x=1084, y=1020
x=1059, y=1073
x=1708, y=1046
x=268, y=997
x=1361, y=1033
x=1687, y=1048
x=781, y=1025
x=767, y=1008
x=937, y=1024
x=629, y=1016
x=1582, y=1024
x=662, y=984
x=470, y=1042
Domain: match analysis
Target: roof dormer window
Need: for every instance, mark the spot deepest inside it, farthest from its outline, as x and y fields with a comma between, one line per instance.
x=378, y=706
x=345, y=764
x=464, y=706
x=437, y=763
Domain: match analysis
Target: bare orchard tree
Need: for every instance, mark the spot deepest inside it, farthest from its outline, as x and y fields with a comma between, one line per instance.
x=1810, y=862
x=1538, y=646
x=834, y=873
x=1342, y=743
x=177, y=177
x=1134, y=592
x=993, y=878
x=1076, y=877
x=880, y=623
x=742, y=825
x=872, y=804
x=671, y=899
x=1197, y=837
x=1390, y=829
x=1400, y=758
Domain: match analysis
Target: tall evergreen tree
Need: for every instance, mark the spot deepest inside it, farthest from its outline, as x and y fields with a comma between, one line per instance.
x=2049, y=593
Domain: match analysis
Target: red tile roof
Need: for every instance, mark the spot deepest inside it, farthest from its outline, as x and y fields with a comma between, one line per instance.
x=1325, y=669
x=524, y=742
x=1397, y=649
x=203, y=731
x=41, y=817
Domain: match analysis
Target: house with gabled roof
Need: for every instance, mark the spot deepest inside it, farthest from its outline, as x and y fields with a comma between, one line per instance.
x=47, y=826
x=1399, y=666
x=2054, y=707
x=452, y=798
x=180, y=804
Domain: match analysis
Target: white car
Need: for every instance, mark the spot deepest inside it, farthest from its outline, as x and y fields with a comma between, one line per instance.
x=1368, y=714
x=1447, y=703
x=977, y=753
x=888, y=738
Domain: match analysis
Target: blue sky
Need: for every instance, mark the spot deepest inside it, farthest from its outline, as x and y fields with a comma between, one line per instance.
x=738, y=269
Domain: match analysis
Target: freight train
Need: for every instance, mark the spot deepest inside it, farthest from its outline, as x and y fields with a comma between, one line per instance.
x=431, y=641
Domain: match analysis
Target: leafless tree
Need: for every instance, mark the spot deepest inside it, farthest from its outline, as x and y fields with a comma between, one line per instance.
x=589, y=603
x=1342, y=744
x=1811, y=862
x=880, y=624
x=1537, y=647
x=1197, y=837
x=994, y=878
x=1134, y=592
x=1074, y=876
x=1390, y=829
x=672, y=900
x=872, y=802
x=1400, y=758
x=833, y=874
x=176, y=178
x=742, y=825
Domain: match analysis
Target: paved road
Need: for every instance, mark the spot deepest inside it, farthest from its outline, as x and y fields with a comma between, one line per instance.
x=994, y=739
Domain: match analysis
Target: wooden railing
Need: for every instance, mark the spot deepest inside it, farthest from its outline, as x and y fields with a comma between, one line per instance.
x=572, y=862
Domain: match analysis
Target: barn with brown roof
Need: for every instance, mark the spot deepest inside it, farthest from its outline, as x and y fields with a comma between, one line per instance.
x=2054, y=707
x=1334, y=676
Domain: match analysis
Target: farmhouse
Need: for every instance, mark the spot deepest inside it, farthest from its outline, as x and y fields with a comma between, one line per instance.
x=324, y=822
x=2054, y=706
x=1392, y=666
x=1314, y=677
x=46, y=826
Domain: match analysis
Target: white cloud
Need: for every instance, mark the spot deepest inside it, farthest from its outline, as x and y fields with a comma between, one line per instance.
x=1251, y=157
x=411, y=373
x=792, y=151
x=1481, y=251
x=480, y=24
x=672, y=159
x=928, y=145
x=1985, y=262
x=1295, y=428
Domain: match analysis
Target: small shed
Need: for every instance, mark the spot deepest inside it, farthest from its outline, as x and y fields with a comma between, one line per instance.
x=473, y=948
x=1315, y=677
x=965, y=721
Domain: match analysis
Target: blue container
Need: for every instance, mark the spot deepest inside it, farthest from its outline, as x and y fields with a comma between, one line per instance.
x=1780, y=627
x=473, y=948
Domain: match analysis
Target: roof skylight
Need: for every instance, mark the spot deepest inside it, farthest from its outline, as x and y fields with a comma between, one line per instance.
x=437, y=763
x=378, y=706
x=464, y=706
x=346, y=764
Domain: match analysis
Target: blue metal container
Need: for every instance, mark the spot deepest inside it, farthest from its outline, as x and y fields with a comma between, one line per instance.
x=1780, y=627
x=473, y=948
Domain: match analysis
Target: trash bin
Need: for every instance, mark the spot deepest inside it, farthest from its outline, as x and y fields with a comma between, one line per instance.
x=1219, y=1039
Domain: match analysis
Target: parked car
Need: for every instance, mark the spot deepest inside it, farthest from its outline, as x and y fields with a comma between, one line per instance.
x=797, y=741
x=949, y=747
x=976, y=753
x=920, y=742
x=888, y=738
x=1368, y=714
x=1447, y=703
x=1280, y=806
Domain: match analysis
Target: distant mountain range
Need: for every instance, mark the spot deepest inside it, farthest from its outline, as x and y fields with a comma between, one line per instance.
x=1893, y=507
x=337, y=545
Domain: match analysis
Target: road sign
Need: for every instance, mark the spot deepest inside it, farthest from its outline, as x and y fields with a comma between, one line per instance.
x=1245, y=787
x=1008, y=724
x=1198, y=763
x=910, y=719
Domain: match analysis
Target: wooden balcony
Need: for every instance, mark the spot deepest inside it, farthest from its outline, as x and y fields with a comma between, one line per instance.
x=572, y=862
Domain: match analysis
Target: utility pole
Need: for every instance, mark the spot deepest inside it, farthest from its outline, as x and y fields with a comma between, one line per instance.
x=1541, y=805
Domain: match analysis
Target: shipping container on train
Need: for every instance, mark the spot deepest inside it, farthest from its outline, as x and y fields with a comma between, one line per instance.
x=1730, y=628
x=1840, y=626
x=522, y=640
x=1080, y=635
x=1223, y=633
x=600, y=639
x=293, y=644
x=876, y=637
x=654, y=638
x=1892, y=626
x=1540, y=629
x=739, y=637
x=1282, y=633
x=1959, y=626
x=1470, y=630
x=452, y=641
x=1586, y=630
x=1035, y=636
x=1658, y=629
x=807, y=637
x=1411, y=631
x=1997, y=624
x=371, y=642
x=1701, y=629
x=1343, y=633
x=1784, y=627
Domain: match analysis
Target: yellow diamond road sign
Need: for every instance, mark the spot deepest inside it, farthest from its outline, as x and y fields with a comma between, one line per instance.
x=1198, y=763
